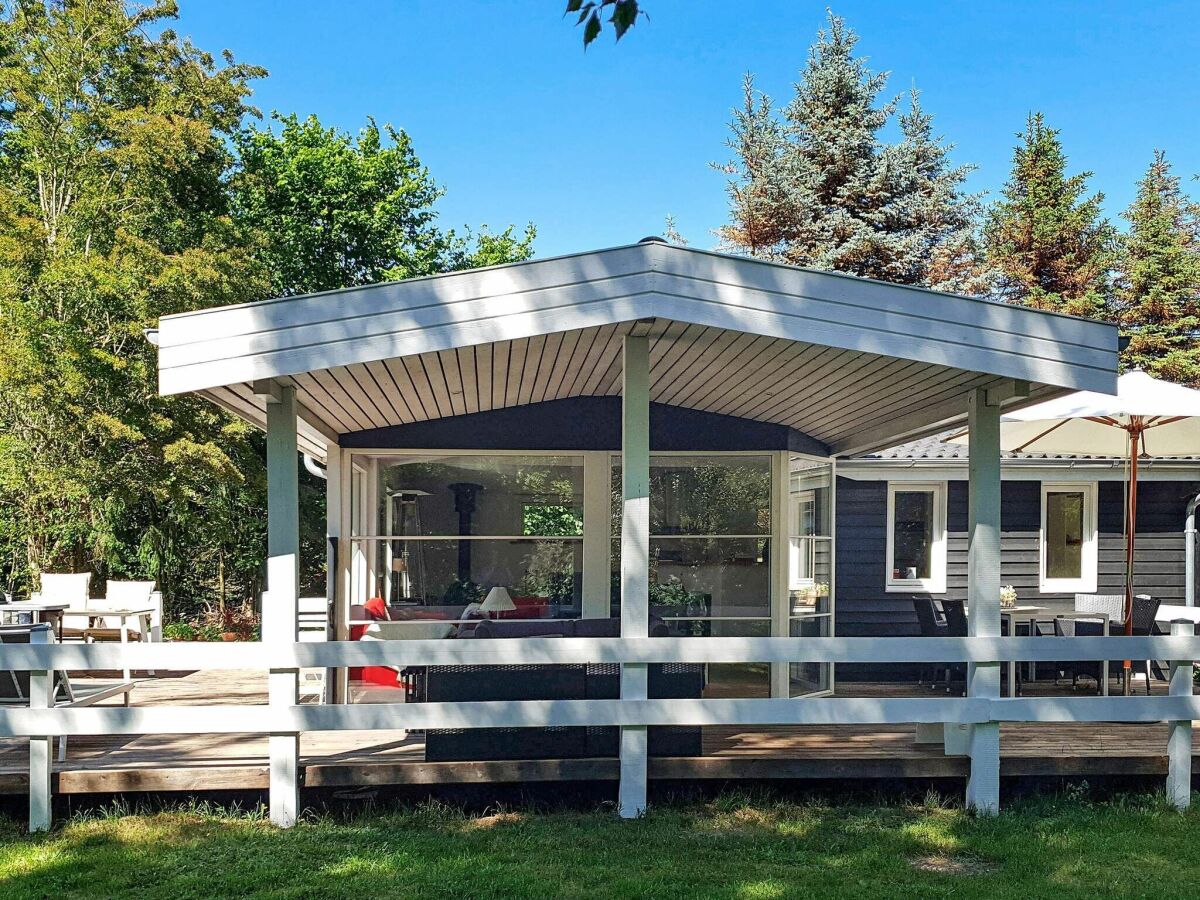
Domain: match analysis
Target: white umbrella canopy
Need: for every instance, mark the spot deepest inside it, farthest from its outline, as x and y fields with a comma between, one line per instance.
x=1166, y=416
x=1147, y=417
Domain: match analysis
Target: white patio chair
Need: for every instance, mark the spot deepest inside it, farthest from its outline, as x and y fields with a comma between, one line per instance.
x=14, y=685
x=1111, y=605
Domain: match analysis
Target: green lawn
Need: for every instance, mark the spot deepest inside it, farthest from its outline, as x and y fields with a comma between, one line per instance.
x=729, y=848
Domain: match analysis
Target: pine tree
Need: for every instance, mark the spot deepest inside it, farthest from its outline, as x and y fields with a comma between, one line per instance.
x=1158, y=291
x=820, y=188
x=1048, y=241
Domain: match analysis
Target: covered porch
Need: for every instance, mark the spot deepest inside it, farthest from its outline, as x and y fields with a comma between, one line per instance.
x=593, y=496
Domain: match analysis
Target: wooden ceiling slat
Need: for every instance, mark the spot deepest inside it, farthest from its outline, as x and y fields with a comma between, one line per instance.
x=470, y=383
x=421, y=387
x=562, y=365
x=516, y=368
x=698, y=368
x=406, y=391
x=500, y=354
x=534, y=349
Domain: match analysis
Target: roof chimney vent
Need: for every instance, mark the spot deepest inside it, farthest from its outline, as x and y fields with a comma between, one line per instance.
x=653, y=239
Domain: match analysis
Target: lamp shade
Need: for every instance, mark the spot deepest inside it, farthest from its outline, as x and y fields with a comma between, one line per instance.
x=497, y=600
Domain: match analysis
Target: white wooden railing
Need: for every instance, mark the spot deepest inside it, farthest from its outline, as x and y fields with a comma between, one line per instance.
x=41, y=721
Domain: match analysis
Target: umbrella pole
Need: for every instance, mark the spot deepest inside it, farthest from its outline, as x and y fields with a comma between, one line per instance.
x=1130, y=545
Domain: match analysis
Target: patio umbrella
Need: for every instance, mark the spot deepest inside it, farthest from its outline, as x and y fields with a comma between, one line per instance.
x=1146, y=418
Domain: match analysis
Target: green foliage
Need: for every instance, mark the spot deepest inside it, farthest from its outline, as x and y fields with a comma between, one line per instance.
x=122, y=199
x=334, y=211
x=818, y=186
x=551, y=520
x=113, y=211
x=1158, y=292
x=1048, y=240
x=624, y=14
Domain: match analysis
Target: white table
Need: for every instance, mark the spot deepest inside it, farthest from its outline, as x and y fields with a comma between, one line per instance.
x=1169, y=612
x=141, y=613
x=48, y=611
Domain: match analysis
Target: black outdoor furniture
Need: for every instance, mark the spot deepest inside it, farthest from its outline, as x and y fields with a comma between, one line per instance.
x=600, y=681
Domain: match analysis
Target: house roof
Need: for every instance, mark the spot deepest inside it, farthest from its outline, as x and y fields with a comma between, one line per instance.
x=935, y=447
x=855, y=364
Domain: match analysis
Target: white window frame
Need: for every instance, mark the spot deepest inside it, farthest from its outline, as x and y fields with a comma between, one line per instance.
x=1089, y=557
x=805, y=550
x=936, y=582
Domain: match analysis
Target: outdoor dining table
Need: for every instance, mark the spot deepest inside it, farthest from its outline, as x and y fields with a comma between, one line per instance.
x=1168, y=613
x=1018, y=614
x=48, y=611
x=141, y=613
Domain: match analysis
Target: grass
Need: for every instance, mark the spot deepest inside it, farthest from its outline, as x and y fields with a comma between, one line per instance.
x=735, y=846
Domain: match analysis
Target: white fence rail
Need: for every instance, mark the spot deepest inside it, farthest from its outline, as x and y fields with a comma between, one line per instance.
x=40, y=723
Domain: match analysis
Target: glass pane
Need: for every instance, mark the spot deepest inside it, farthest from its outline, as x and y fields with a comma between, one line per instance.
x=809, y=493
x=912, y=542
x=705, y=495
x=537, y=496
x=1064, y=534
x=709, y=576
x=805, y=678
x=544, y=577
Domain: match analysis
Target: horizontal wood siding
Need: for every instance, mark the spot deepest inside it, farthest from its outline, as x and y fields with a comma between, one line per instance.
x=866, y=609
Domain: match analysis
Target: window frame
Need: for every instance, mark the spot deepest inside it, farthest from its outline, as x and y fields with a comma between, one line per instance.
x=936, y=582
x=1089, y=561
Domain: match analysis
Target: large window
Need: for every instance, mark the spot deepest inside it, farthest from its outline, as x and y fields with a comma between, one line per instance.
x=710, y=547
x=916, y=537
x=1068, y=538
x=448, y=528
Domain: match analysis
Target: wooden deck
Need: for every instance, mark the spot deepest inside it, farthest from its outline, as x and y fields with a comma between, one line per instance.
x=344, y=759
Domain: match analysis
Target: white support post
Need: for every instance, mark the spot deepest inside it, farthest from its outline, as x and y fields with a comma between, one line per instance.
x=41, y=748
x=345, y=567
x=635, y=559
x=333, y=533
x=280, y=602
x=983, y=591
x=1179, y=734
x=781, y=613
x=597, y=535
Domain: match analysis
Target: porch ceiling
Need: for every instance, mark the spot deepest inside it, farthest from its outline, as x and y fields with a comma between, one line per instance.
x=853, y=363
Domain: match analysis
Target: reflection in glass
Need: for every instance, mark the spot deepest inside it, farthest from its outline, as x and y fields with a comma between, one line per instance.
x=912, y=529
x=1064, y=534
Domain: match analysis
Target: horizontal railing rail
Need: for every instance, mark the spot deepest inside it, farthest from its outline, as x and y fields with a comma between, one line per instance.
x=283, y=719
x=267, y=719
x=549, y=651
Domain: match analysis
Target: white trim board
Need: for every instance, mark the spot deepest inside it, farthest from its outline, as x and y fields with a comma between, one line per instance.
x=729, y=334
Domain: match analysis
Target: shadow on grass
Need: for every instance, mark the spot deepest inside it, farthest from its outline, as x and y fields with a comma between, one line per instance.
x=734, y=846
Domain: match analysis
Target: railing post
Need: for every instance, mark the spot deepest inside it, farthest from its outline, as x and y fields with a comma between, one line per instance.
x=635, y=560
x=281, y=600
x=41, y=748
x=1179, y=734
x=983, y=591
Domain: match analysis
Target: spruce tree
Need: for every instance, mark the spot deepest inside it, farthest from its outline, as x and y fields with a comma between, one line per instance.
x=1046, y=238
x=757, y=187
x=819, y=187
x=1158, y=291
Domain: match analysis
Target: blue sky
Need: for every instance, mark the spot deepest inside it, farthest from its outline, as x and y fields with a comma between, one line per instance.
x=596, y=148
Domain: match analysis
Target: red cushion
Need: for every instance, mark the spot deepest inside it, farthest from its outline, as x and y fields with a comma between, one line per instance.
x=376, y=609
